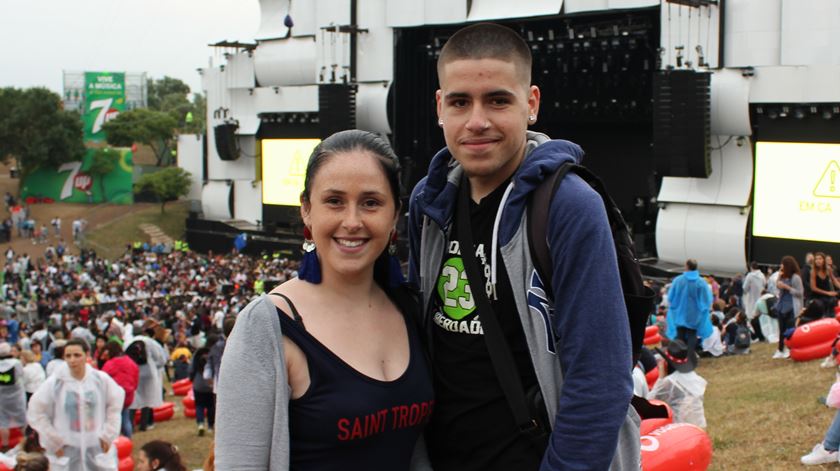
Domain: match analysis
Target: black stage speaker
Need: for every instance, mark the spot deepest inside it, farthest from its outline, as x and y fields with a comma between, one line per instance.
x=337, y=105
x=226, y=144
x=681, y=123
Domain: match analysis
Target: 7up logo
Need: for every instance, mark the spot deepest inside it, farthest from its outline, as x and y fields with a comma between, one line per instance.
x=106, y=113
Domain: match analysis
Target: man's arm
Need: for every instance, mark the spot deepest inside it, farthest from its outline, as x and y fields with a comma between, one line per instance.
x=593, y=336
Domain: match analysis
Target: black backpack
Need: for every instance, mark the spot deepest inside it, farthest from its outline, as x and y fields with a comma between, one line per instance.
x=742, y=337
x=638, y=298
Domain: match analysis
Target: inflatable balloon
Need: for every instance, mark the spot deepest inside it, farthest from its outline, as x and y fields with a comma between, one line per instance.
x=124, y=446
x=649, y=425
x=126, y=464
x=814, y=333
x=683, y=447
x=811, y=352
x=651, y=377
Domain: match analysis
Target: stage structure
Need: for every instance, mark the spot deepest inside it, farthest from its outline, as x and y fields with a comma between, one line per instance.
x=704, y=118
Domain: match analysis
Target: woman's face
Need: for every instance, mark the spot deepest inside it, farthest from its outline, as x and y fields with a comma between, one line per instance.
x=36, y=347
x=75, y=357
x=819, y=261
x=143, y=463
x=351, y=213
x=100, y=343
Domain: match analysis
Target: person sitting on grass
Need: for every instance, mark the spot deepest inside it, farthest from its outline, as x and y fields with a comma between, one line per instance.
x=712, y=345
x=679, y=385
x=737, y=334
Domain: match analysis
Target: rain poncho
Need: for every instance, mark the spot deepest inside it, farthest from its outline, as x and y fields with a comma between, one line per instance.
x=149, y=391
x=12, y=395
x=684, y=393
x=73, y=416
x=690, y=302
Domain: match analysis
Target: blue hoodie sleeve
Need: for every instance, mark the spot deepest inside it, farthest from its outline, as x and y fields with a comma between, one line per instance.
x=593, y=335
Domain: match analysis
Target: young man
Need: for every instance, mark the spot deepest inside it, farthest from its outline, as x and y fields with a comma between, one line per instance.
x=690, y=299
x=579, y=353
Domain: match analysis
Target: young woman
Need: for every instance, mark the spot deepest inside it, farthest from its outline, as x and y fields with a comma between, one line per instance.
x=789, y=304
x=159, y=455
x=77, y=411
x=824, y=285
x=205, y=400
x=327, y=371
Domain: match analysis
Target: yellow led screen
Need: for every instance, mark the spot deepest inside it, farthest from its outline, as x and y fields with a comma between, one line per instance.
x=284, y=168
x=797, y=191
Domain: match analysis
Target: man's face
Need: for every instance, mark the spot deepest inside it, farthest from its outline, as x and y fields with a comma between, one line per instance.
x=485, y=105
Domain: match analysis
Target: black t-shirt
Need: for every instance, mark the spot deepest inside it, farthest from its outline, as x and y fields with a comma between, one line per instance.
x=473, y=427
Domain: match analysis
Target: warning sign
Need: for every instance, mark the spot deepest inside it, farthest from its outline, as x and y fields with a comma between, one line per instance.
x=829, y=184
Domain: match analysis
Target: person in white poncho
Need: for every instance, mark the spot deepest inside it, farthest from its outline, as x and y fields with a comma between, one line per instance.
x=151, y=359
x=680, y=386
x=77, y=413
x=12, y=396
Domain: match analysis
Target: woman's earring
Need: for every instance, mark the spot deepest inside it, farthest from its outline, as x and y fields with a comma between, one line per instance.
x=310, y=267
x=440, y=122
x=532, y=118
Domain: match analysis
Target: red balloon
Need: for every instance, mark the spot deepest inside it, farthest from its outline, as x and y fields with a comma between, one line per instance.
x=189, y=413
x=124, y=446
x=189, y=402
x=651, y=377
x=812, y=352
x=133, y=147
x=162, y=415
x=651, y=330
x=814, y=333
x=683, y=447
x=653, y=340
x=15, y=436
x=126, y=464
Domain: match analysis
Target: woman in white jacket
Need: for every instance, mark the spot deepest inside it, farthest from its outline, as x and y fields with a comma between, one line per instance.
x=33, y=373
x=77, y=412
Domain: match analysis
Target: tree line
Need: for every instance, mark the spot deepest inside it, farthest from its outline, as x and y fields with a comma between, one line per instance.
x=36, y=131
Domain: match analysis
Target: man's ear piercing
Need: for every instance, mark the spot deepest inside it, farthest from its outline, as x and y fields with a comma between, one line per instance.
x=440, y=122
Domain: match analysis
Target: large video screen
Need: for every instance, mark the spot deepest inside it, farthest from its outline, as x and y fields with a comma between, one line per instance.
x=797, y=191
x=284, y=168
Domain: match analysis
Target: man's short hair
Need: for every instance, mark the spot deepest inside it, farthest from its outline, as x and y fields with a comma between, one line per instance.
x=754, y=265
x=691, y=264
x=487, y=41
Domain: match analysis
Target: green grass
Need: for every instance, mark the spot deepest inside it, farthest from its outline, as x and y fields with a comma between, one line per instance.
x=110, y=240
x=762, y=414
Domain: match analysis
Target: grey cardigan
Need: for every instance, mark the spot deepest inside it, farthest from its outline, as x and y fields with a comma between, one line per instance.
x=252, y=408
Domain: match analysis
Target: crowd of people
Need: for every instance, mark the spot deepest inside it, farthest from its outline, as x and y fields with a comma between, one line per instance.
x=702, y=318
x=86, y=342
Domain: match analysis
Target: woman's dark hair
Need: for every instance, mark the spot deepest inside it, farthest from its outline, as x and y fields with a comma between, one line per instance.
x=166, y=454
x=200, y=360
x=32, y=462
x=715, y=321
x=789, y=266
x=350, y=141
x=114, y=349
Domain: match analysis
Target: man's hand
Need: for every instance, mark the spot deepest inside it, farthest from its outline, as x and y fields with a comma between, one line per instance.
x=60, y=452
x=105, y=445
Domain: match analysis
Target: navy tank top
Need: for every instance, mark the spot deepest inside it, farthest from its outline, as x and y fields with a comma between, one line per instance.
x=346, y=420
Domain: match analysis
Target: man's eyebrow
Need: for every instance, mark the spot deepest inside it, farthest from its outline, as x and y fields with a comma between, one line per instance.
x=493, y=93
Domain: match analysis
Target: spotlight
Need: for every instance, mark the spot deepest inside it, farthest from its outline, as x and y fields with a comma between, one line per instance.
x=799, y=113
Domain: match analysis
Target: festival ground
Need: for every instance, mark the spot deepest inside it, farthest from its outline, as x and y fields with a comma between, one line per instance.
x=763, y=414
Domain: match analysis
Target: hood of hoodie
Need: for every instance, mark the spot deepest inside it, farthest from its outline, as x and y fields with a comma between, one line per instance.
x=691, y=275
x=542, y=157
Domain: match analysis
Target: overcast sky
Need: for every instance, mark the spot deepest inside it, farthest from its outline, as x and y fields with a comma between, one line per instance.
x=40, y=38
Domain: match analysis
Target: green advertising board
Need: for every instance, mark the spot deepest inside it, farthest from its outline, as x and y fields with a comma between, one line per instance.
x=104, y=99
x=72, y=182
